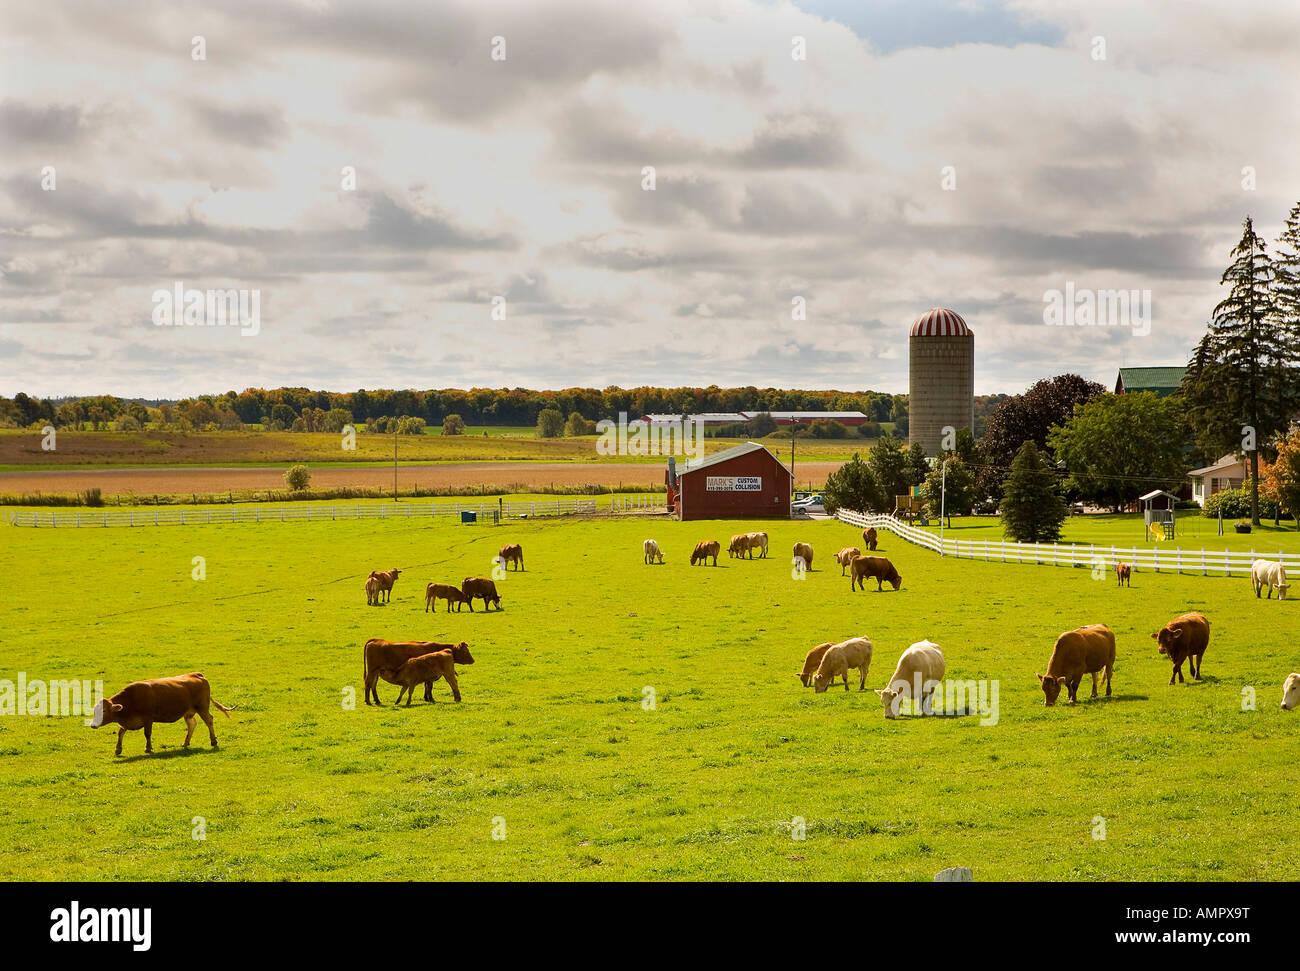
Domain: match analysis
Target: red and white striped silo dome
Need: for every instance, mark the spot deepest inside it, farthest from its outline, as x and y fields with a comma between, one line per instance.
x=940, y=323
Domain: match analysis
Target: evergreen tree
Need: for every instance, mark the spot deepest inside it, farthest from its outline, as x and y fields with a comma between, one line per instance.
x=917, y=464
x=952, y=492
x=853, y=486
x=1032, y=508
x=889, y=462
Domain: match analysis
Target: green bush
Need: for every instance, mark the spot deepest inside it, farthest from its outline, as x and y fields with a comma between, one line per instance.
x=1235, y=504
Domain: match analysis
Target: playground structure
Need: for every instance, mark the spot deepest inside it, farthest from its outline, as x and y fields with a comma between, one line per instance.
x=1158, y=515
x=911, y=507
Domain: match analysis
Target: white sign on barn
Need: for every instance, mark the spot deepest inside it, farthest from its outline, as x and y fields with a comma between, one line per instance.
x=734, y=483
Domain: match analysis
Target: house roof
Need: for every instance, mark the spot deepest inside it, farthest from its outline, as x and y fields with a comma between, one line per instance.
x=1227, y=462
x=726, y=455
x=1161, y=380
x=808, y=415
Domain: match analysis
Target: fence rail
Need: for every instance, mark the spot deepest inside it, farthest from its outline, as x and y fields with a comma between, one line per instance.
x=638, y=502
x=305, y=512
x=1203, y=562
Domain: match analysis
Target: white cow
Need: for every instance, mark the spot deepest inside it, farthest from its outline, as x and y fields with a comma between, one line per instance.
x=1269, y=573
x=920, y=669
x=841, y=658
x=1291, y=692
x=651, y=550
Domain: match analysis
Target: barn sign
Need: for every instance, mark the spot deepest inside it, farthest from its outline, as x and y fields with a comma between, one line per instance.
x=734, y=483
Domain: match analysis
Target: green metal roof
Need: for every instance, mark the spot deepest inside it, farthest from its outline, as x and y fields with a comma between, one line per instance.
x=1162, y=380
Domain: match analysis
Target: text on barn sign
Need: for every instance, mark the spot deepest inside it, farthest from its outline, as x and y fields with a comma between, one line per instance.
x=734, y=483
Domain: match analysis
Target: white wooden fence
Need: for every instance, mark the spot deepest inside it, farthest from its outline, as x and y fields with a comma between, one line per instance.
x=1157, y=560
x=638, y=502
x=297, y=512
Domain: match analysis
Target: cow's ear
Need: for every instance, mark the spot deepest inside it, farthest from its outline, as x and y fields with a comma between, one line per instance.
x=879, y=692
x=1040, y=678
x=1155, y=636
x=1177, y=633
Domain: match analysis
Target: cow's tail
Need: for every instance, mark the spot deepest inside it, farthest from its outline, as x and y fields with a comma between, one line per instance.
x=220, y=707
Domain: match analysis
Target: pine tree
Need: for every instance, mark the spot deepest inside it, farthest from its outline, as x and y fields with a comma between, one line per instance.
x=1032, y=508
x=853, y=486
x=917, y=463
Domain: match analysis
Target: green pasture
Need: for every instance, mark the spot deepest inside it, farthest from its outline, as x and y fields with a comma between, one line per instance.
x=555, y=748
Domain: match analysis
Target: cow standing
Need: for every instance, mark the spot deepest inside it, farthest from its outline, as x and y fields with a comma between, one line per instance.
x=383, y=659
x=705, y=550
x=513, y=553
x=650, y=552
x=480, y=587
x=1085, y=650
x=877, y=568
x=869, y=538
x=1270, y=574
x=385, y=579
x=141, y=703
x=426, y=669
x=1123, y=575
x=1184, y=638
x=442, y=591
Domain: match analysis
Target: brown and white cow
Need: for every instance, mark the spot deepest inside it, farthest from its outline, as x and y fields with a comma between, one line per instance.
x=382, y=659
x=1184, y=639
x=442, y=591
x=426, y=669
x=483, y=588
x=1085, y=650
x=512, y=553
x=386, y=579
x=877, y=568
x=141, y=703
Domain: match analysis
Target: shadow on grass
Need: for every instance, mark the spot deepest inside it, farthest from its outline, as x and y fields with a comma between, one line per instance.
x=169, y=753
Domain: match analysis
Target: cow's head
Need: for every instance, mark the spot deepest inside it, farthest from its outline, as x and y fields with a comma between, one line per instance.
x=396, y=573
x=890, y=699
x=1167, y=638
x=460, y=653
x=822, y=681
x=1051, y=688
x=1291, y=692
x=1282, y=588
x=805, y=677
x=895, y=579
x=105, y=713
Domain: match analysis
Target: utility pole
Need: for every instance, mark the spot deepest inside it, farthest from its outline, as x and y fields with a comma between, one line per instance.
x=943, y=500
x=794, y=423
x=394, y=463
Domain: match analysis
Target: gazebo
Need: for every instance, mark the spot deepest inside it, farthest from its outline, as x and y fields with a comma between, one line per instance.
x=1158, y=514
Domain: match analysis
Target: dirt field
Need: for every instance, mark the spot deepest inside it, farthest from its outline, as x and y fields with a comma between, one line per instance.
x=503, y=475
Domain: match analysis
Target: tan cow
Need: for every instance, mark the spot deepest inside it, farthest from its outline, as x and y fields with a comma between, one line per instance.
x=1123, y=575
x=757, y=541
x=1291, y=692
x=846, y=556
x=919, y=671
x=381, y=659
x=442, y=591
x=1184, y=638
x=480, y=587
x=811, y=661
x=513, y=553
x=374, y=590
x=803, y=551
x=386, y=580
x=874, y=567
x=1270, y=574
x=141, y=703
x=426, y=669
x=1085, y=650
x=651, y=552
x=738, y=545
x=869, y=538
x=841, y=658
x=705, y=550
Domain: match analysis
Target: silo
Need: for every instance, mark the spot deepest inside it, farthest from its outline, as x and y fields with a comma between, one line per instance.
x=941, y=355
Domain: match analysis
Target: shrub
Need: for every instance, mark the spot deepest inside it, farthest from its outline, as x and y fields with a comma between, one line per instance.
x=298, y=478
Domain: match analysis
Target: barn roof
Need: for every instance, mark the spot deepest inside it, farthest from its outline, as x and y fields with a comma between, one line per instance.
x=1162, y=380
x=717, y=458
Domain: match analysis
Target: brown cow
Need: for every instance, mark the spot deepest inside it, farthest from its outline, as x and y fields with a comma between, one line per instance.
x=804, y=552
x=704, y=550
x=381, y=659
x=480, y=587
x=373, y=591
x=875, y=567
x=513, y=553
x=869, y=538
x=386, y=580
x=442, y=591
x=811, y=662
x=1085, y=650
x=738, y=546
x=141, y=703
x=1123, y=575
x=845, y=556
x=1184, y=638
x=426, y=669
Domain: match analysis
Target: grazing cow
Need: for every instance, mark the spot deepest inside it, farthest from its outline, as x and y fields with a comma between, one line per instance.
x=426, y=669
x=1123, y=573
x=839, y=660
x=386, y=580
x=651, y=550
x=757, y=541
x=513, y=553
x=1271, y=574
x=1085, y=650
x=1291, y=692
x=869, y=538
x=811, y=662
x=480, y=587
x=705, y=550
x=443, y=591
x=1184, y=639
x=845, y=556
x=141, y=703
x=373, y=591
x=382, y=659
x=804, y=552
x=876, y=567
x=738, y=545
x=918, y=672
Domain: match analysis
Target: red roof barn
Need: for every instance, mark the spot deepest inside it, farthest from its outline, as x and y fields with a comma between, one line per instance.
x=742, y=482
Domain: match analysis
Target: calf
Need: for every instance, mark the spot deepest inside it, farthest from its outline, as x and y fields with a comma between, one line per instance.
x=875, y=567
x=1122, y=574
x=443, y=591
x=1085, y=650
x=426, y=669
x=513, y=553
x=386, y=580
x=839, y=660
x=480, y=587
x=1271, y=574
x=918, y=672
x=803, y=551
x=1184, y=639
x=651, y=552
x=381, y=659
x=869, y=538
x=705, y=550
x=373, y=591
x=1291, y=692
x=845, y=557
x=141, y=703
x=811, y=661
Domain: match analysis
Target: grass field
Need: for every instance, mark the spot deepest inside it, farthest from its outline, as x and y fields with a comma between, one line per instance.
x=553, y=743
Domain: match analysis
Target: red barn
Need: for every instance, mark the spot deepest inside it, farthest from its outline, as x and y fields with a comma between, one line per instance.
x=742, y=482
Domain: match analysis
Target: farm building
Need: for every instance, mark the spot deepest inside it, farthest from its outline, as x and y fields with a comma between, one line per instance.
x=707, y=419
x=1164, y=381
x=742, y=482
x=941, y=373
x=849, y=418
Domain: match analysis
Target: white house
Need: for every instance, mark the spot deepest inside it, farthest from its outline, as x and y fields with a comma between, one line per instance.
x=1227, y=473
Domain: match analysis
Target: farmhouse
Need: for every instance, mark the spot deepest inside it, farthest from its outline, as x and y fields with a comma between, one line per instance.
x=1227, y=473
x=742, y=482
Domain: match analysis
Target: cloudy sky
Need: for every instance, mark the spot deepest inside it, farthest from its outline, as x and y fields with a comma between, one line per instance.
x=521, y=177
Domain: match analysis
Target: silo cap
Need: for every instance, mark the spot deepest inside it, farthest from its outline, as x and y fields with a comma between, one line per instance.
x=940, y=323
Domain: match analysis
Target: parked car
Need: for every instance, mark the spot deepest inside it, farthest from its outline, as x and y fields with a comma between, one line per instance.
x=811, y=503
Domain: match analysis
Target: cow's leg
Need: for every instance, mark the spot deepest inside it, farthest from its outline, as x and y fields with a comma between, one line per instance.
x=212, y=732
x=148, y=737
x=1094, y=685
x=120, y=732
x=455, y=685
x=1196, y=671
x=189, y=730
x=846, y=679
x=428, y=691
